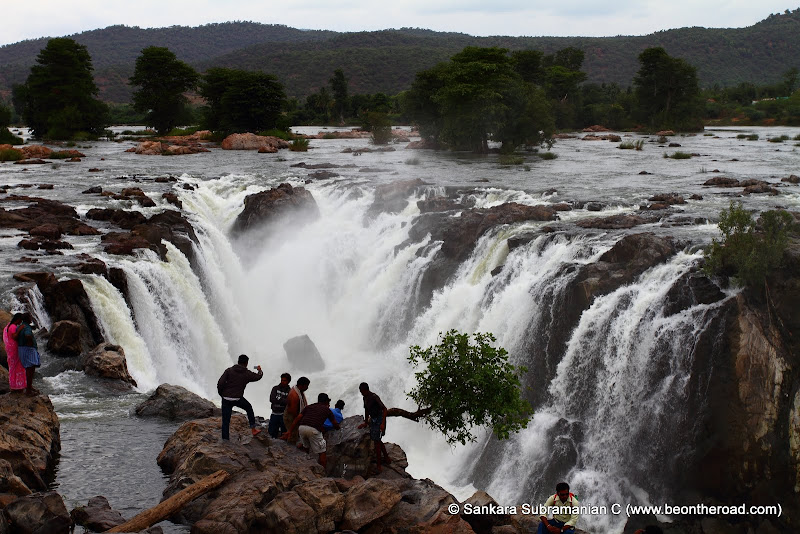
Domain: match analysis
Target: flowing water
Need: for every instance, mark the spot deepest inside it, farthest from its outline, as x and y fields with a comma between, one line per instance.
x=354, y=285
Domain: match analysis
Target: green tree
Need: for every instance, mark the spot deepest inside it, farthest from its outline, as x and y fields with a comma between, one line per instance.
x=241, y=101
x=790, y=78
x=749, y=249
x=667, y=92
x=378, y=123
x=341, y=102
x=6, y=137
x=479, y=95
x=162, y=80
x=60, y=93
x=463, y=384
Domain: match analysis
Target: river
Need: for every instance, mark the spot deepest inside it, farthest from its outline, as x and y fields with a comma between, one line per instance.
x=352, y=283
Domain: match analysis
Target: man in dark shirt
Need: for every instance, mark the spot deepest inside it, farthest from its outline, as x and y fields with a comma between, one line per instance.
x=311, y=421
x=277, y=401
x=231, y=388
x=375, y=417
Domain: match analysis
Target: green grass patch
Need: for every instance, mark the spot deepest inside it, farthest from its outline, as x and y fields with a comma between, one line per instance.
x=299, y=144
x=11, y=154
x=60, y=155
x=280, y=134
x=741, y=136
x=548, y=155
x=330, y=136
x=183, y=131
x=511, y=159
x=780, y=139
x=678, y=155
x=797, y=137
x=626, y=145
x=752, y=137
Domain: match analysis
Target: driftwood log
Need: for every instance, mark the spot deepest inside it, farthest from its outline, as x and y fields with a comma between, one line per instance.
x=164, y=509
x=414, y=416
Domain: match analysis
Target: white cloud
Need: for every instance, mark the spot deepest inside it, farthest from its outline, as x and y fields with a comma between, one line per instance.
x=40, y=18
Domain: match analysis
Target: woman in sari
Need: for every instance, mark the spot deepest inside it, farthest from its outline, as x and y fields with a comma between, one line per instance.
x=27, y=351
x=16, y=372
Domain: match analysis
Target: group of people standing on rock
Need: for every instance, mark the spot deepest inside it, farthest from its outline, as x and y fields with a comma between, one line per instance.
x=22, y=353
x=295, y=420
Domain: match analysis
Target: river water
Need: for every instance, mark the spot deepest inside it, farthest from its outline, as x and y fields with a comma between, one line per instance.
x=353, y=285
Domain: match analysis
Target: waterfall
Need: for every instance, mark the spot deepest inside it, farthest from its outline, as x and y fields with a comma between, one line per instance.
x=354, y=289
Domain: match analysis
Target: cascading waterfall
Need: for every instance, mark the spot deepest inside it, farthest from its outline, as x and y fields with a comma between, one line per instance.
x=352, y=287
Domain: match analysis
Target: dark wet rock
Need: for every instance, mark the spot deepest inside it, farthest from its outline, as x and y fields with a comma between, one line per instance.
x=674, y=145
x=44, y=244
x=439, y=204
x=760, y=188
x=91, y=265
x=645, y=173
x=173, y=199
x=594, y=206
x=292, y=205
x=29, y=440
x=667, y=198
x=176, y=403
x=34, y=161
x=97, y=515
x=107, y=361
x=39, y=513
x=696, y=197
x=323, y=175
x=49, y=231
x=65, y=339
x=304, y=165
x=45, y=186
x=393, y=197
x=303, y=354
x=123, y=218
x=484, y=523
x=123, y=243
x=614, y=222
x=721, y=181
x=690, y=290
x=793, y=179
x=119, y=279
x=67, y=301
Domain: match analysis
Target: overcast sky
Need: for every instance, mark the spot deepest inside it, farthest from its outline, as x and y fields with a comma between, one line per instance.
x=50, y=18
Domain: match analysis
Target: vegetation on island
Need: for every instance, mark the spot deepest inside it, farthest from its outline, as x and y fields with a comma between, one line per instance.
x=59, y=98
x=162, y=79
x=749, y=249
x=241, y=101
x=466, y=382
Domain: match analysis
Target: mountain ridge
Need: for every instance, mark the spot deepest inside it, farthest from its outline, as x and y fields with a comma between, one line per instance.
x=387, y=60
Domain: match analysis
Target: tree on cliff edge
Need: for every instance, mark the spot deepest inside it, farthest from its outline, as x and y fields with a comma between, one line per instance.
x=60, y=93
x=463, y=385
x=162, y=79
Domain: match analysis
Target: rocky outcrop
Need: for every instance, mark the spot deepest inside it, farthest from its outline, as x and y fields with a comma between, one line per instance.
x=274, y=487
x=29, y=442
x=176, y=404
x=67, y=301
x=158, y=148
x=250, y=141
x=169, y=225
x=285, y=204
x=303, y=354
x=614, y=222
x=65, y=339
x=48, y=216
x=39, y=513
x=97, y=515
x=107, y=361
x=393, y=197
x=35, y=151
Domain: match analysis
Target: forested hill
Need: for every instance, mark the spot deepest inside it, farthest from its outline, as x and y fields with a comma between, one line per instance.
x=386, y=61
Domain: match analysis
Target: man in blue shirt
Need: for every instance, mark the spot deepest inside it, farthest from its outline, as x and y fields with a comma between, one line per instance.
x=337, y=412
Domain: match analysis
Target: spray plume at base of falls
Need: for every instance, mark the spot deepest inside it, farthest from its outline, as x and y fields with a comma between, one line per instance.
x=353, y=287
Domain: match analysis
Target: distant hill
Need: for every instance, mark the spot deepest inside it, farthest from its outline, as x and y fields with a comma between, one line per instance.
x=386, y=61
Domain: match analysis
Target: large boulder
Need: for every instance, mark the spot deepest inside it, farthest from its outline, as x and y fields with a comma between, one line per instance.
x=274, y=487
x=97, y=515
x=176, y=403
x=303, y=354
x=65, y=339
x=39, y=513
x=67, y=301
x=251, y=141
x=29, y=438
x=107, y=361
x=287, y=204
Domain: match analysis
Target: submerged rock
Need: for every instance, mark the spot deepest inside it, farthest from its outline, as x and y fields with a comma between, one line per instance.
x=176, y=403
x=303, y=354
x=97, y=515
x=39, y=513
